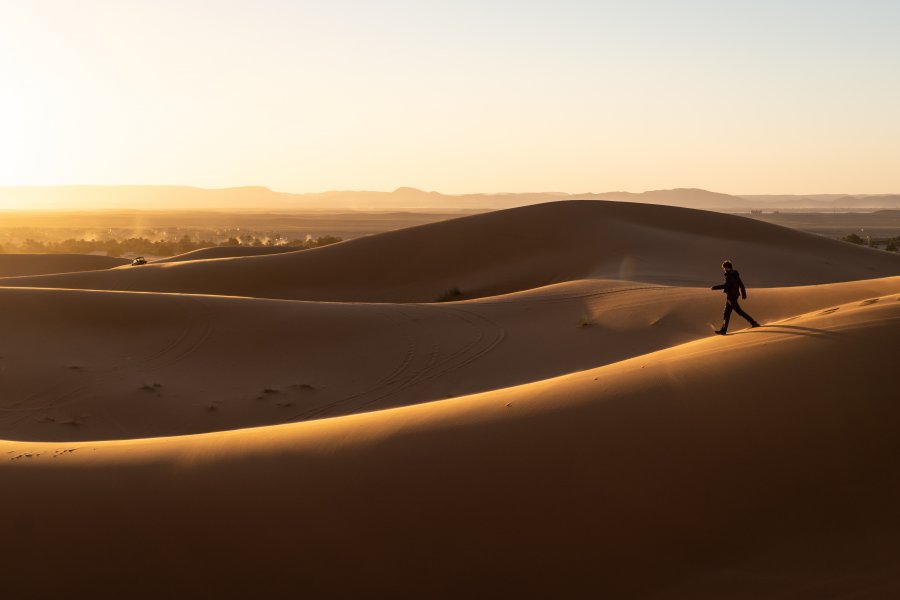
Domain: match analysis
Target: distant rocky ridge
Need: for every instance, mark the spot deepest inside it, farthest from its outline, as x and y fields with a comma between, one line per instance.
x=404, y=198
x=827, y=201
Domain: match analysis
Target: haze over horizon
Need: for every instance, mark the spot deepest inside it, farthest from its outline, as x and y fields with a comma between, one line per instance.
x=468, y=97
x=258, y=198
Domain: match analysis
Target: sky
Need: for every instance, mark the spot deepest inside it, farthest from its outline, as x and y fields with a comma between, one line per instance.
x=459, y=96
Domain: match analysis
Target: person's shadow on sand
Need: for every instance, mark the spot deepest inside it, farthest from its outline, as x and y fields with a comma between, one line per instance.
x=796, y=330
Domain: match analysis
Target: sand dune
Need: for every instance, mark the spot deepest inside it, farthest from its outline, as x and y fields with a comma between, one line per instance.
x=16, y=265
x=512, y=250
x=111, y=365
x=568, y=428
x=757, y=465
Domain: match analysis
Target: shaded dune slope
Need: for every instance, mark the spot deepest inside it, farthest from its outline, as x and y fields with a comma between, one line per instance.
x=757, y=465
x=512, y=250
x=17, y=265
x=83, y=365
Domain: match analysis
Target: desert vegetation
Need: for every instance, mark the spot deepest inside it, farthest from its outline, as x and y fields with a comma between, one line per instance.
x=160, y=247
x=890, y=244
x=449, y=295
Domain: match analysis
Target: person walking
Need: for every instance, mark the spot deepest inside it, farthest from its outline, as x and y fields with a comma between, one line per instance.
x=733, y=287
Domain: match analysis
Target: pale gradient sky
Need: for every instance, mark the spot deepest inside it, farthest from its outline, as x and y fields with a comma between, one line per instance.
x=791, y=96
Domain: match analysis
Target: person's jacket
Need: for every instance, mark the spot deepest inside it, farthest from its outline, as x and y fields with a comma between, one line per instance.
x=733, y=286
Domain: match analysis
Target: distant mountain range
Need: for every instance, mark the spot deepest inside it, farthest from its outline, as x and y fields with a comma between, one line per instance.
x=404, y=198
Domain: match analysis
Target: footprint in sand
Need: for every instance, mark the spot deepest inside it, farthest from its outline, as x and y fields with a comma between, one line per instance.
x=869, y=301
x=829, y=311
x=26, y=455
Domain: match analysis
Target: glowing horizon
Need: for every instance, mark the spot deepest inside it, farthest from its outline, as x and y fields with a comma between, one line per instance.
x=466, y=97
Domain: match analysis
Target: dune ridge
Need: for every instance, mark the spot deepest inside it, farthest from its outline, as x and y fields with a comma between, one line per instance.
x=226, y=252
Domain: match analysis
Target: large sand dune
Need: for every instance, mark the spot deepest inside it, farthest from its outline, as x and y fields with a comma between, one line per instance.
x=570, y=428
x=512, y=250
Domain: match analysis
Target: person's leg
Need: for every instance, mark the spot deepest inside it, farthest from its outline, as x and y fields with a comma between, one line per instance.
x=727, y=316
x=740, y=311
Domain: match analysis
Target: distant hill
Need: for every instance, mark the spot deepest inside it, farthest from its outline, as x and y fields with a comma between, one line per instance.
x=256, y=198
x=826, y=201
x=405, y=198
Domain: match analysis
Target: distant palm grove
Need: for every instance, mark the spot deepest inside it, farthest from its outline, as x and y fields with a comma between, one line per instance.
x=140, y=245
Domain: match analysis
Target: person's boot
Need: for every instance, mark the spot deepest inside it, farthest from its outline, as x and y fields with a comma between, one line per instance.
x=754, y=324
x=720, y=331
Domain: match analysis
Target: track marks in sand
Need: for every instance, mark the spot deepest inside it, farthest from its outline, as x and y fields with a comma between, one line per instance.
x=193, y=317
x=28, y=455
x=834, y=309
x=488, y=335
x=25, y=455
x=474, y=336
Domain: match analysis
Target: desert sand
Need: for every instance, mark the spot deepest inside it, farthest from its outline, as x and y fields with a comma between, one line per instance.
x=524, y=403
x=17, y=265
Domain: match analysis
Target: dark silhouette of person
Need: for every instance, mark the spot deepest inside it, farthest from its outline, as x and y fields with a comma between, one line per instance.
x=733, y=287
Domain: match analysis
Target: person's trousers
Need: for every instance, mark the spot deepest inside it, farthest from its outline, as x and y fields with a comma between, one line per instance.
x=731, y=304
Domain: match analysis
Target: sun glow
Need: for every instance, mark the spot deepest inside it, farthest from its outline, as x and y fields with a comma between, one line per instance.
x=468, y=97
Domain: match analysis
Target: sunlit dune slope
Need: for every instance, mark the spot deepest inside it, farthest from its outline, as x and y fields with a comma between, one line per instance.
x=227, y=252
x=81, y=365
x=16, y=265
x=512, y=250
x=757, y=465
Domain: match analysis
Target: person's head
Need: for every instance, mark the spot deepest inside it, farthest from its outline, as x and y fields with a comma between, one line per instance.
x=727, y=265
